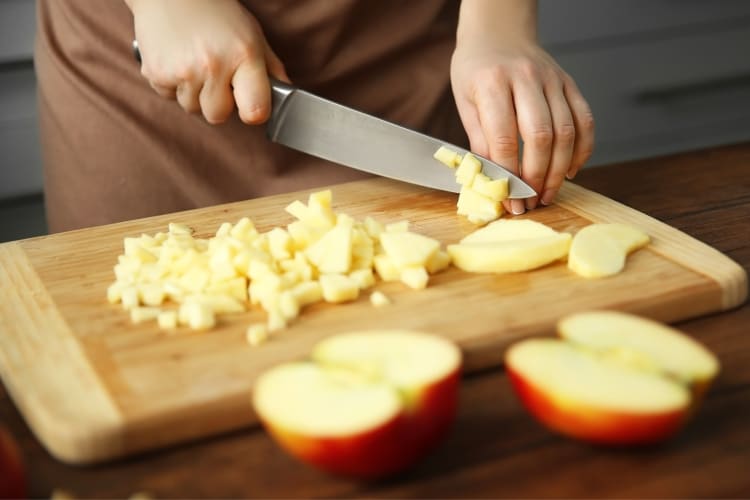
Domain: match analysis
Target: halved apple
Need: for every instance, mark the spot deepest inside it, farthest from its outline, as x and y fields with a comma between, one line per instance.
x=366, y=405
x=613, y=378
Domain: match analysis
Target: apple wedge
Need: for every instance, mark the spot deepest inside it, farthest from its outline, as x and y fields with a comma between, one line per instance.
x=366, y=405
x=600, y=250
x=613, y=378
x=509, y=256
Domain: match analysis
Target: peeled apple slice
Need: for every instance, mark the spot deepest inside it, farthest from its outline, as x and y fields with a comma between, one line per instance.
x=509, y=256
x=600, y=250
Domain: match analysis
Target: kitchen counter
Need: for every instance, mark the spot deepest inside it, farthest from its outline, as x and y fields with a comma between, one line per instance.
x=496, y=449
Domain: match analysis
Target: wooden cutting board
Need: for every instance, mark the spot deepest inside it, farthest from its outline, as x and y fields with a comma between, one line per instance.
x=93, y=386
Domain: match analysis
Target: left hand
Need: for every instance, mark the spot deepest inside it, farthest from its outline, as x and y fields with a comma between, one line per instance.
x=506, y=89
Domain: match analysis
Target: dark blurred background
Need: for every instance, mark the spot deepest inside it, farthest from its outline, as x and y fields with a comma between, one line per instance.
x=661, y=76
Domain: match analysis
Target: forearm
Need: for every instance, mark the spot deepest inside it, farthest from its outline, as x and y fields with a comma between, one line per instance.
x=506, y=20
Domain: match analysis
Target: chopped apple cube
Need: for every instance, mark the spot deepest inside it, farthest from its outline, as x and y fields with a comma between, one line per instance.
x=470, y=166
x=308, y=292
x=256, y=334
x=496, y=190
x=333, y=252
x=439, y=261
x=379, y=299
x=408, y=249
x=415, y=277
x=167, y=320
x=364, y=278
x=478, y=208
x=196, y=315
x=141, y=314
x=447, y=157
x=386, y=269
x=338, y=288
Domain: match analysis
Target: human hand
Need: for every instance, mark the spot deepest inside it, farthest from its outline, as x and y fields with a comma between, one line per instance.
x=209, y=55
x=503, y=88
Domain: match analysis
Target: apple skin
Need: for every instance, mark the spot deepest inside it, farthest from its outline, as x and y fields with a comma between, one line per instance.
x=12, y=476
x=596, y=425
x=387, y=449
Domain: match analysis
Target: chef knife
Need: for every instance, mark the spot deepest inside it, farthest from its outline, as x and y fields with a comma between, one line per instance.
x=319, y=127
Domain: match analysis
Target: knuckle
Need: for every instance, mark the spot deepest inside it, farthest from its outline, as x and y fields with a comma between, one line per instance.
x=503, y=146
x=565, y=133
x=528, y=69
x=542, y=137
x=491, y=77
x=587, y=121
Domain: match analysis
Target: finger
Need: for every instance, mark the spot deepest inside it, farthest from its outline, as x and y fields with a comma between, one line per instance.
x=583, y=119
x=535, y=124
x=188, y=96
x=252, y=91
x=216, y=99
x=498, y=121
x=562, y=147
x=163, y=91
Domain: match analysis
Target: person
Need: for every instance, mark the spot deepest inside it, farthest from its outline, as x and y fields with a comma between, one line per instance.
x=184, y=129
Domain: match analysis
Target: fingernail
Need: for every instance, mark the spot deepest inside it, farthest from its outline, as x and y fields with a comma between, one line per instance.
x=517, y=207
x=547, y=199
x=569, y=176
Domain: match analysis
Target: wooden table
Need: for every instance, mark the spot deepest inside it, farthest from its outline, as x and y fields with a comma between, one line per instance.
x=496, y=450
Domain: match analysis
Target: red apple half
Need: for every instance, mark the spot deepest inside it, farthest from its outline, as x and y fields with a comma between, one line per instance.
x=613, y=378
x=368, y=404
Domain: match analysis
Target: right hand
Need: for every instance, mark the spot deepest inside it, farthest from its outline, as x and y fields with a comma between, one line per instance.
x=209, y=55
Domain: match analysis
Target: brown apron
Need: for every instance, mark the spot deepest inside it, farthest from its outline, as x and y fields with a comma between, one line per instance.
x=114, y=150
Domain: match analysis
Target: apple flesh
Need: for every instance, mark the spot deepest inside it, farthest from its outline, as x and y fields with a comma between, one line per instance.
x=12, y=476
x=613, y=378
x=367, y=404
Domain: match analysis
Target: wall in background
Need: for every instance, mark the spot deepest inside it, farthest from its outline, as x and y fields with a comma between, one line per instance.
x=661, y=76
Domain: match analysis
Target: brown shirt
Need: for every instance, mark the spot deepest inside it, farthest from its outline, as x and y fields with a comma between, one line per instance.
x=114, y=150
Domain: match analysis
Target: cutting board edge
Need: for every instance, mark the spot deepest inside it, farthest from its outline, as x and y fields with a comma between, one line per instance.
x=667, y=241
x=77, y=426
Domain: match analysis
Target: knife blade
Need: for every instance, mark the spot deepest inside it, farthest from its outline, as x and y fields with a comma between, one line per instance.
x=319, y=127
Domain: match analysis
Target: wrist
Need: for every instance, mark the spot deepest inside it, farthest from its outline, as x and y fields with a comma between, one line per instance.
x=508, y=22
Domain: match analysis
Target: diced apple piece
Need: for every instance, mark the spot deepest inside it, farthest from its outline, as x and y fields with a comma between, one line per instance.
x=308, y=292
x=280, y=243
x=333, y=252
x=509, y=256
x=408, y=249
x=447, y=157
x=469, y=167
x=494, y=189
x=368, y=404
x=364, y=278
x=386, y=269
x=379, y=299
x=478, y=208
x=256, y=334
x=438, y=262
x=142, y=314
x=167, y=320
x=415, y=277
x=196, y=315
x=338, y=288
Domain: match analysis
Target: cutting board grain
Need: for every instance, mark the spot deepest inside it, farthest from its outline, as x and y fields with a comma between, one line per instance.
x=93, y=386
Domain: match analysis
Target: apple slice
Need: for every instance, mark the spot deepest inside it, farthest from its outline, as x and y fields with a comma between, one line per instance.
x=509, y=256
x=600, y=250
x=613, y=378
x=368, y=404
x=509, y=230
